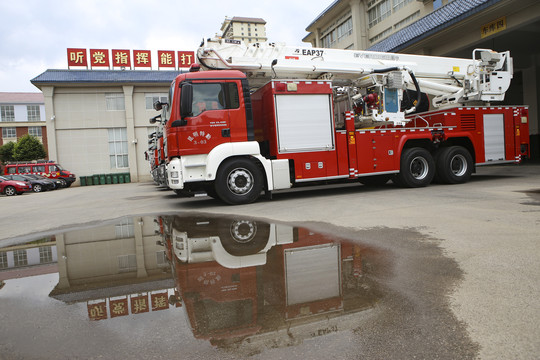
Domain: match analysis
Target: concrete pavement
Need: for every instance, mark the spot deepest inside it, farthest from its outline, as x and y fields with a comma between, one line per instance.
x=489, y=226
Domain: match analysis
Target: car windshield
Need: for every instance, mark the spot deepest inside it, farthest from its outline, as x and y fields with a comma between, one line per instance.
x=3, y=178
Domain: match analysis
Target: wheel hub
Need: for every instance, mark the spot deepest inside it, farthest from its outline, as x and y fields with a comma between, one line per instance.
x=419, y=168
x=240, y=181
x=458, y=165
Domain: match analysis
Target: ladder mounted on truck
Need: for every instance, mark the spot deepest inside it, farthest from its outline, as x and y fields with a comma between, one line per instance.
x=356, y=74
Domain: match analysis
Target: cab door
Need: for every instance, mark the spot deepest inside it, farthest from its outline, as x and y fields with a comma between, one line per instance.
x=210, y=122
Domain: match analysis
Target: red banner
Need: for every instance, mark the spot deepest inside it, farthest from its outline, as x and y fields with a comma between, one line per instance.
x=119, y=307
x=185, y=58
x=166, y=59
x=160, y=301
x=121, y=58
x=97, y=311
x=142, y=58
x=99, y=57
x=77, y=57
x=139, y=304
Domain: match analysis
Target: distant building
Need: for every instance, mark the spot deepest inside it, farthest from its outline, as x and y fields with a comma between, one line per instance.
x=250, y=30
x=97, y=121
x=21, y=114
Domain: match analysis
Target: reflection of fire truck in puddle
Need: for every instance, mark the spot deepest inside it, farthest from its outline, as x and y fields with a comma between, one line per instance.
x=242, y=279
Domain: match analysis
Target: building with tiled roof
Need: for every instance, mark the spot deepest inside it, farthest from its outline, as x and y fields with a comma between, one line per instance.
x=452, y=28
x=97, y=120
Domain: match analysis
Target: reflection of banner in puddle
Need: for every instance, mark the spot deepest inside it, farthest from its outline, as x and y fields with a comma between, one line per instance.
x=137, y=303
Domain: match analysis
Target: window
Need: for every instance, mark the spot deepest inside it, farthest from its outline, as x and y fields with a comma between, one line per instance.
x=379, y=12
x=38, y=168
x=20, y=257
x=118, y=148
x=151, y=98
x=398, y=4
x=381, y=35
x=127, y=263
x=45, y=255
x=214, y=96
x=3, y=260
x=345, y=29
x=407, y=20
x=34, y=131
x=329, y=39
x=7, y=112
x=33, y=113
x=9, y=132
x=115, y=101
x=125, y=229
x=437, y=4
x=161, y=259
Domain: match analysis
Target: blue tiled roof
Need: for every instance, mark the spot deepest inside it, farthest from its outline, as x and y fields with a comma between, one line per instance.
x=450, y=14
x=105, y=76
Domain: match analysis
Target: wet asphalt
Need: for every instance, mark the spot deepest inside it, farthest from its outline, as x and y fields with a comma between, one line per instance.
x=456, y=268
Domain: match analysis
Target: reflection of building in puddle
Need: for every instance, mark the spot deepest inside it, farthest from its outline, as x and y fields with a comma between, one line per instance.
x=246, y=281
x=36, y=257
x=118, y=269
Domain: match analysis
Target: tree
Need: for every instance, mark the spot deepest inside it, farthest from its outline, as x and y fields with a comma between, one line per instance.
x=29, y=148
x=6, y=152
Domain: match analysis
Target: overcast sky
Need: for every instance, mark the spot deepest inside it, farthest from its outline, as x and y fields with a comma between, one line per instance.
x=35, y=34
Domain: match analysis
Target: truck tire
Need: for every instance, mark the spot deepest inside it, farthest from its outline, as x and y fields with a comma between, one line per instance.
x=454, y=165
x=417, y=168
x=244, y=237
x=238, y=181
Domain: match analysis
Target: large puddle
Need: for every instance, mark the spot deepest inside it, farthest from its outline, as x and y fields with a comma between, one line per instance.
x=206, y=287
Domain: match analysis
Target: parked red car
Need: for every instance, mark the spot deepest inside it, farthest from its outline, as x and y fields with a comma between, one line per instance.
x=12, y=187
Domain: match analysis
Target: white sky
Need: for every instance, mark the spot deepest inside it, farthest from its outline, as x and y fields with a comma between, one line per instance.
x=35, y=34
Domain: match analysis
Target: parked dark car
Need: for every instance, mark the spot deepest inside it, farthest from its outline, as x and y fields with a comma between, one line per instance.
x=12, y=187
x=38, y=185
x=55, y=183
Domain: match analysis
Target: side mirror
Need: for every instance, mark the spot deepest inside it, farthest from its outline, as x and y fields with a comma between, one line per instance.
x=186, y=100
x=158, y=105
x=155, y=118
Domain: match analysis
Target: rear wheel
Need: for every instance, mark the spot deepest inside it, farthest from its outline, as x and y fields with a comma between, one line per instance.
x=238, y=181
x=37, y=188
x=10, y=191
x=417, y=168
x=454, y=165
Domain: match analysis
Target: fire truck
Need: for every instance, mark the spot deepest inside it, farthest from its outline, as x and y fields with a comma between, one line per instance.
x=255, y=118
x=240, y=279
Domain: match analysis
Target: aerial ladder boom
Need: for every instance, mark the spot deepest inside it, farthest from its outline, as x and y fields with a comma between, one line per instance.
x=450, y=81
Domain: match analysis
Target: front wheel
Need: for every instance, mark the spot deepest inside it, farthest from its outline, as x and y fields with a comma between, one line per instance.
x=454, y=165
x=239, y=181
x=10, y=191
x=417, y=168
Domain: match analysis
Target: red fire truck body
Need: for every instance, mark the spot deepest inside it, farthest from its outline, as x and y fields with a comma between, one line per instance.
x=223, y=138
x=263, y=294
